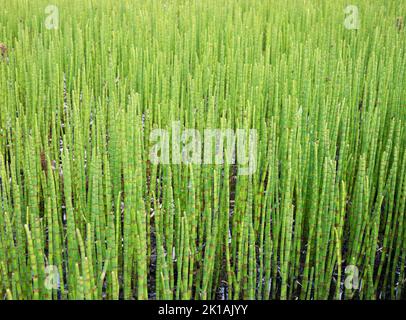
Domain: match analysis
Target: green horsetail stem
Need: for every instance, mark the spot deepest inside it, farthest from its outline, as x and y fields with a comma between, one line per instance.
x=127, y=169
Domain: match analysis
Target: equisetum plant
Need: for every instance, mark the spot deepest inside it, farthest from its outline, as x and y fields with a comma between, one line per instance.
x=86, y=214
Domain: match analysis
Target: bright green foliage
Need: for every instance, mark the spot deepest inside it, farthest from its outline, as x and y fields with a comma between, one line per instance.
x=78, y=190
